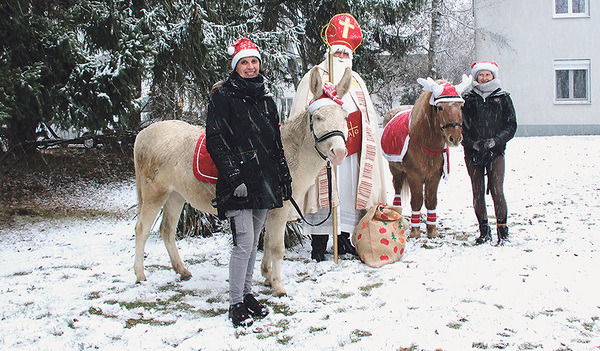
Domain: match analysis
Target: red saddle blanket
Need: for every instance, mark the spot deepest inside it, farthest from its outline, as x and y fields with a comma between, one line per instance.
x=204, y=167
x=395, y=138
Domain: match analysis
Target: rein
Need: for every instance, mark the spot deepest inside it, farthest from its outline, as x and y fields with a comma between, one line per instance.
x=329, y=185
x=329, y=195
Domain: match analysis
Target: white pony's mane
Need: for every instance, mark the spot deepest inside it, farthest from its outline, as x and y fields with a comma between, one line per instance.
x=293, y=135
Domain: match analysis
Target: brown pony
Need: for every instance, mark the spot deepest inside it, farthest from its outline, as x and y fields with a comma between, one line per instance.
x=435, y=123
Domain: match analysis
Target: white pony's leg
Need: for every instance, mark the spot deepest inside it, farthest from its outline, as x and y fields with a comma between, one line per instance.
x=171, y=213
x=274, y=249
x=147, y=211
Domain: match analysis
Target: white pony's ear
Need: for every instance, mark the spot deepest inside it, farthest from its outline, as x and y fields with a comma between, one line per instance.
x=344, y=85
x=466, y=81
x=316, y=83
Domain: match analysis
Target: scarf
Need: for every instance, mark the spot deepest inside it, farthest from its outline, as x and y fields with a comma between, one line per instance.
x=486, y=89
x=251, y=87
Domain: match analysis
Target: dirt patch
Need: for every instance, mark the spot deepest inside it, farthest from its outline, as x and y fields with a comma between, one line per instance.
x=43, y=183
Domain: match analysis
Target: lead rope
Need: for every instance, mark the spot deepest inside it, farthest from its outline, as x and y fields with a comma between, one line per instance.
x=329, y=191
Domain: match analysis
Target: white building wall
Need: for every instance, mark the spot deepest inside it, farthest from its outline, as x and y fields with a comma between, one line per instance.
x=524, y=39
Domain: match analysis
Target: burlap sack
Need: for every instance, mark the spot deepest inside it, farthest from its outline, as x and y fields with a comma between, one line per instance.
x=380, y=236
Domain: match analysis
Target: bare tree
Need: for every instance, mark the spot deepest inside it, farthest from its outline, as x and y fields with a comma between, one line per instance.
x=446, y=49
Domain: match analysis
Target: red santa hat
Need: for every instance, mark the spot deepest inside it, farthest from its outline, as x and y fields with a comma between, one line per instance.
x=243, y=47
x=343, y=33
x=484, y=65
x=329, y=97
x=445, y=92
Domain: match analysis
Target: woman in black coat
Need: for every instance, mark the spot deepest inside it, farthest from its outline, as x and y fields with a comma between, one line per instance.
x=489, y=122
x=244, y=142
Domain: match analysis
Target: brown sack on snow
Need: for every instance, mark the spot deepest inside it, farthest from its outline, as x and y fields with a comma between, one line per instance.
x=380, y=235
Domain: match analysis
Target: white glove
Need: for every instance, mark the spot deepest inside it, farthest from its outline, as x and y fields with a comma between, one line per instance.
x=241, y=191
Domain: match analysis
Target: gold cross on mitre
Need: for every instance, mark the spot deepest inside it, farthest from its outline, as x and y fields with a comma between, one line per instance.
x=347, y=26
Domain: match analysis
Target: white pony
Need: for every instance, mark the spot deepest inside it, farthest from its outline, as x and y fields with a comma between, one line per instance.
x=163, y=157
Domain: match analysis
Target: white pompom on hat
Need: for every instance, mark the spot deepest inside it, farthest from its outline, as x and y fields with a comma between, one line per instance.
x=243, y=47
x=484, y=65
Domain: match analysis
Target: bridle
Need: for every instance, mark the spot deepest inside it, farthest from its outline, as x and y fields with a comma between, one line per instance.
x=448, y=125
x=329, y=185
x=323, y=138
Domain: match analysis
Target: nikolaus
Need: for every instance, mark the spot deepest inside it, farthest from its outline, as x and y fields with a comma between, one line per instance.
x=360, y=181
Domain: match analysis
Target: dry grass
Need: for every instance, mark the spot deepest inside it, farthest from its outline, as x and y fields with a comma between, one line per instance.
x=40, y=185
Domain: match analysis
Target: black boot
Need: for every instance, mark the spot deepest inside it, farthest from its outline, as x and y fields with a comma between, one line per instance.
x=239, y=315
x=345, y=245
x=485, y=234
x=319, y=244
x=502, y=234
x=255, y=308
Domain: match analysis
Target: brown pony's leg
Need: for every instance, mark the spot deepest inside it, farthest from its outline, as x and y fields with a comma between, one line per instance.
x=416, y=202
x=171, y=213
x=431, y=187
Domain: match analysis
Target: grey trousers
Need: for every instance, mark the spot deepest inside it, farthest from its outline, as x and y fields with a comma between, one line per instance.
x=246, y=226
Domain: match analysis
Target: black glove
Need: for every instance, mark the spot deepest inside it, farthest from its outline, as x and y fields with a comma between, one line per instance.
x=286, y=191
x=478, y=145
x=488, y=144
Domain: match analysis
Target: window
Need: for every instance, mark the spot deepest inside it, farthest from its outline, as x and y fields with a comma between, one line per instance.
x=571, y=8
x=572, y=81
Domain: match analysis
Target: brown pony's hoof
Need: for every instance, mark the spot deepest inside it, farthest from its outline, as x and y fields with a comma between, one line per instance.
x=432, y=231
x=415, y=232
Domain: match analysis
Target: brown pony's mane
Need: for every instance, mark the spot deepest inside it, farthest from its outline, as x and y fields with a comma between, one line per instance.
x=421, y=106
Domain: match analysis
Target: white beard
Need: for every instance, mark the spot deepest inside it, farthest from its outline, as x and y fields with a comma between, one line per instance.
x=339, y=66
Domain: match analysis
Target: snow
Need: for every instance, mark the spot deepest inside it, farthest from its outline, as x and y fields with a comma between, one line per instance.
x=69, y=284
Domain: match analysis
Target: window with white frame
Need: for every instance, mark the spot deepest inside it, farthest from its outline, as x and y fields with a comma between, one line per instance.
x=571, y=8
x=572, y=81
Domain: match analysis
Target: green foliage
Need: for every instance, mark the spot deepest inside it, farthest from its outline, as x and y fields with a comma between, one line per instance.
x=79, y=65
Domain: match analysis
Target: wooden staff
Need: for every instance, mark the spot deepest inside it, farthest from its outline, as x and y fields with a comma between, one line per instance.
x=334, y=216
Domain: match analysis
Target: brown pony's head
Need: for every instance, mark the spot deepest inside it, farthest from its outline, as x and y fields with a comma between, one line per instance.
x=446, y=107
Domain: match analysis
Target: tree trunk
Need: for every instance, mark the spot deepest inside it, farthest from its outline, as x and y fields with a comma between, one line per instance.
x=434, y=37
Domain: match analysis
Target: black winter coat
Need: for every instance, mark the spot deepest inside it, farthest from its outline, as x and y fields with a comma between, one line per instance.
x=492, y=118
x=244, y=142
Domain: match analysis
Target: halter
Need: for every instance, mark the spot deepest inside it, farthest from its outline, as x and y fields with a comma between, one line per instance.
x=329, y=98
x=448, y=125
x=324, y=137
x=329, y=183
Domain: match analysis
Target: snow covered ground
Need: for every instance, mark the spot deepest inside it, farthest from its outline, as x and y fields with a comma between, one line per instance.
x=69, y=284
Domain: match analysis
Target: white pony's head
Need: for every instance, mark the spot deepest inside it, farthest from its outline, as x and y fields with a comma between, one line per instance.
x=328, y=116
